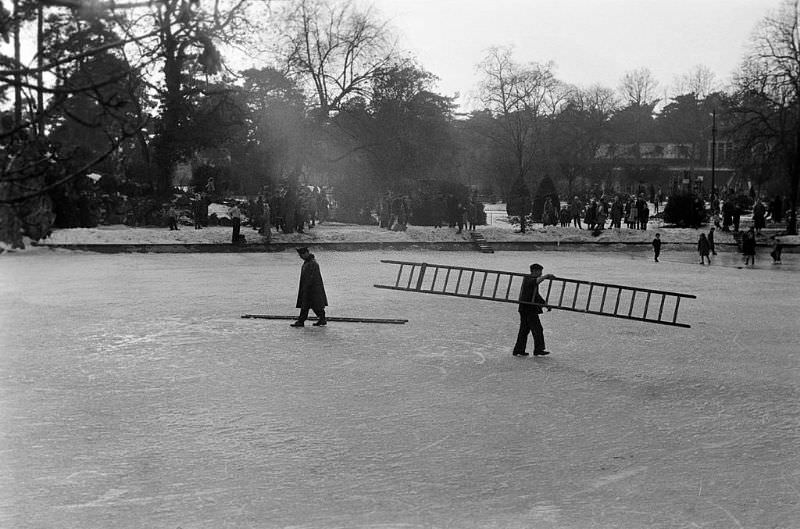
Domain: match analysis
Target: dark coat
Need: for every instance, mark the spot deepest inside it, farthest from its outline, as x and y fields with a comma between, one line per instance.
x=702, y=246
x=530, y=292
x=748, y=244
x=311, y=294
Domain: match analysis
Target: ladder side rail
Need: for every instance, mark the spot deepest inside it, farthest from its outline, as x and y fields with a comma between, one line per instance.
x=421, y=275
x=624, y=317
x=465, y=268
x=626, y=287
x=454, y=294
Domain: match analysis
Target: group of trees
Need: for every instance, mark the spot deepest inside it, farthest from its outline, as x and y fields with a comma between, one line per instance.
x=128, y=90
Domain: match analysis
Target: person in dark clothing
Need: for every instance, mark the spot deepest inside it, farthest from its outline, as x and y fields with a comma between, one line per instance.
x=198, y=207
x=529, y=314
x=703, y=249
x=710, y=238
x=749, y=246
x=172, y=215
x=657, y=246
x=311, y=293
x=236, y=223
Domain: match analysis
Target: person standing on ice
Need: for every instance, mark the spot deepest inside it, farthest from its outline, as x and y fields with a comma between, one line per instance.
x=657, y=246
x=529, y=314
x=710, y=238
x=236, y=221
x=703, y=248
x=311, y=293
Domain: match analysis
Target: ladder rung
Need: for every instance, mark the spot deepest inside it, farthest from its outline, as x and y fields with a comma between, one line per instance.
x=411, y=275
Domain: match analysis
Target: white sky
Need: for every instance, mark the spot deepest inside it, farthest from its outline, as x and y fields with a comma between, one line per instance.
x=590, y=41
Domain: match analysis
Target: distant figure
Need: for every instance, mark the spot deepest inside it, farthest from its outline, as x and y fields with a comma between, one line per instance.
x=576, y=210
x=311, y=293
x=529, y=314
x=749, y=246
x=703, y=249
x=172, y=215
x=236, y=221
x=564, y=217
x=759, y=216
x=657, y=246
x=198, y=208
x=266, y=221
x=777, y=249
x=711, y=244
x=472, y=215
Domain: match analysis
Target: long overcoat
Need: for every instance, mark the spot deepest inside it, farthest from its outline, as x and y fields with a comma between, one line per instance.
x=311, y=294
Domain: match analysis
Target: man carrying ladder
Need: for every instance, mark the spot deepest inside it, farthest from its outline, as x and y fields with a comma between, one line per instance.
x=529, y=310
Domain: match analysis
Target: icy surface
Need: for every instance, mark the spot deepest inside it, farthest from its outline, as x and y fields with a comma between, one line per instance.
x=132, y=395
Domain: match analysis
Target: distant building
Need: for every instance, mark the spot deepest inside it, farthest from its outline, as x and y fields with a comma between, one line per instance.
x=667, y=165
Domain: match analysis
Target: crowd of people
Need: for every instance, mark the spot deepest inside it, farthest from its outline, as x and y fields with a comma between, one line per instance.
x=394, y=211
x=634, y=212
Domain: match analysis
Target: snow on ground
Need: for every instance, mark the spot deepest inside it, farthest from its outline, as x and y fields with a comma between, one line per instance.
x=338, y=232
x=133, y=395
x=497, y=229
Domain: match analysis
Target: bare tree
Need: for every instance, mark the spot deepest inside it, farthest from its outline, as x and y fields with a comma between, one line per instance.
x=768, y=91
x=336, y=49
x=700, y=81
x=638, y=87
x=519, y=97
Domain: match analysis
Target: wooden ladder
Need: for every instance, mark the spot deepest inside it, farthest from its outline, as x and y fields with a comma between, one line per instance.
x=602, y=299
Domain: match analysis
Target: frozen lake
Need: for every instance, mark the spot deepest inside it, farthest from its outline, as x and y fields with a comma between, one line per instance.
x=132, y=395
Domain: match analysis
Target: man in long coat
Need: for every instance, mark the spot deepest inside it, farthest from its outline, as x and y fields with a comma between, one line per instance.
x=311, y=294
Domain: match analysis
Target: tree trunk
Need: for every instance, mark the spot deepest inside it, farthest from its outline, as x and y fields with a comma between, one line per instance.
x=17, y=75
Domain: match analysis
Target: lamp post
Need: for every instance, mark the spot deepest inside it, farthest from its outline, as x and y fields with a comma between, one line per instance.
x=713, y=151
